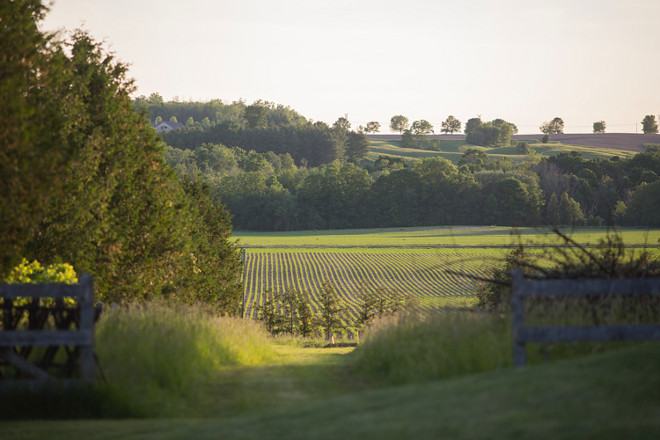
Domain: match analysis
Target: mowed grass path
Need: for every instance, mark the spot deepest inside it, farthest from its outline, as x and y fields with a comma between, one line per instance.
x=614, y=395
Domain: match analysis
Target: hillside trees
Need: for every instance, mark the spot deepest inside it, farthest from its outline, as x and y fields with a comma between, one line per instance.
x=265, y=191
x=644, y=206
x=471, y=124
x=494, y=133
x=451, y=125
x=255, y=116
x=339, y=135
x=335, y=196
x=498, y=121
x=514, y=203
x=446, y=194
x=599, y=127
x=474, y=159
x=408, y=140
x=398, y=123
x=372, y=127
x=649, y=125
x=357, y=147
x=97, y=192
x=420, y=131
x=421, y=128
x=397, y=198
x=313, y=144
x=556, y=126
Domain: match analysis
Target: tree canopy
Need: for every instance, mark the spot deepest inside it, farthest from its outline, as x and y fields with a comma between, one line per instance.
x=556, y=126
x=650, y=125
x=92, y=188
x=600, y=126
x=399, y=123
x=451, y=125
x=496, y=132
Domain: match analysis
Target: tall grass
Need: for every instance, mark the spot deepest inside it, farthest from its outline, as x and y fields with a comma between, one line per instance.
x=407, y=349
x=157, y=357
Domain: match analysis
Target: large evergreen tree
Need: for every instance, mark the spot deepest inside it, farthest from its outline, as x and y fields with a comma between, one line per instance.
x=85, y=181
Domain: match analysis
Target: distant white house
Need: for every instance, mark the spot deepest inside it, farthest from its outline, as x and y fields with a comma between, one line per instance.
x=167, y=126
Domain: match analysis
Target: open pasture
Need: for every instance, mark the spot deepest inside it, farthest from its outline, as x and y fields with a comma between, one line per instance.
x=454, y=149
x=438, y=237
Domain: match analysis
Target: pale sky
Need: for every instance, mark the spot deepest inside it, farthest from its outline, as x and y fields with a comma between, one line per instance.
x=525, y=61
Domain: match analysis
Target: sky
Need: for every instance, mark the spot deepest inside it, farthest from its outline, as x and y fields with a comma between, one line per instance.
x=525, y=61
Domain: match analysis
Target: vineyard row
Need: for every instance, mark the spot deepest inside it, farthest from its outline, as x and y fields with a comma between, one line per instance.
x=424, y=275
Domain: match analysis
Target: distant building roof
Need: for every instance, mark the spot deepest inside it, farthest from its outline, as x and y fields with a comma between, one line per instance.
x=167, y=126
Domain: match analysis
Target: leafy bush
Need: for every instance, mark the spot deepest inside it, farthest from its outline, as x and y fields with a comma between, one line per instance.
x=35, y=273
x=607, y=259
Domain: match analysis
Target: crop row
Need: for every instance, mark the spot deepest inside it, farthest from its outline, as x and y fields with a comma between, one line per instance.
x=423, y=274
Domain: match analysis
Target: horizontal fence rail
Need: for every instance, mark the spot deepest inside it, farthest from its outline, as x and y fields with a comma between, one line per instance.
x=16, y=343
x=523, y=334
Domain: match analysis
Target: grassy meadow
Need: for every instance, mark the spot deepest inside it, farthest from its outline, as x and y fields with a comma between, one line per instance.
x=449, y=377
x=437, y=237
x=176, y=372
x=453, y=150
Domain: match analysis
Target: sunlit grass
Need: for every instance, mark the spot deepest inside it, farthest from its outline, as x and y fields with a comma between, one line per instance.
x=445, y=236
x=406, y=349
x=158, y=357
x=608, y=396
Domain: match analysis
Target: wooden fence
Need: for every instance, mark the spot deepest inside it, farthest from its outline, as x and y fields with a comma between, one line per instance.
x=30, y=319
x=522, y=289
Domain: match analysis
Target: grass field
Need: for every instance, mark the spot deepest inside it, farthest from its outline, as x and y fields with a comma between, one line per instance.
x=435, y=237
x=453, y=150
x=455, y=373
x=608, y=396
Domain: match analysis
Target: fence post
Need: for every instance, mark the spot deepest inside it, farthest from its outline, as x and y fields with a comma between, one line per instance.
x=518, y=318
x=87, y=326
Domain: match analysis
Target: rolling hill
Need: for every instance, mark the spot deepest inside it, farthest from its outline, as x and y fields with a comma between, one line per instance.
x=452, y=147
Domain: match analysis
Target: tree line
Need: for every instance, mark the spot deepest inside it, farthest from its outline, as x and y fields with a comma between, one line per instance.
x=270, y=192
x=85, y=182
x=262, y=127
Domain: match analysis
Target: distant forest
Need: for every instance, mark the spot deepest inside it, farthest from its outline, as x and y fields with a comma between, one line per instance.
x=273, y=169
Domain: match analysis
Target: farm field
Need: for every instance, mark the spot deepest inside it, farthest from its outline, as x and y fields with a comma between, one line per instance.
x=417, y=272
x=416, y=261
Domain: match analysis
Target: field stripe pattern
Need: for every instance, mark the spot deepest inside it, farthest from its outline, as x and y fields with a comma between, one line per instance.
x=422, y=273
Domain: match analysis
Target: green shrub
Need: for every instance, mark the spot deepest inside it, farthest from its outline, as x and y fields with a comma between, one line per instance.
x=609, y=259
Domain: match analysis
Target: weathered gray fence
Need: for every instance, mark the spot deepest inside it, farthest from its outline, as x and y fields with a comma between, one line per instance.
x=522, y=289
x=54, y=326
